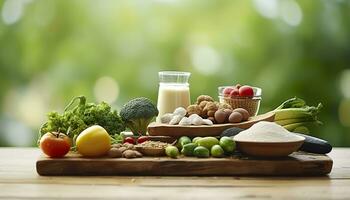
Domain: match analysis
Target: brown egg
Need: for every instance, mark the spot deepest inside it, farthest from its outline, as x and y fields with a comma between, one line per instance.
x=228, y=111
x=220, y=116
x=235, y=117
x=243, y=112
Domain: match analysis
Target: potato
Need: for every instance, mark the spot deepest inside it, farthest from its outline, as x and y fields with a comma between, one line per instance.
x=235, y=117
x=244, y=113
x=220, y=116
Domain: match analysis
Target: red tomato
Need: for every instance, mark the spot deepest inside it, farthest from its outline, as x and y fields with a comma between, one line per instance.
x=129, y=140
x=227, y=91
x=142, y=139
x=246, y=91
x=234, y=92
x=55, y=144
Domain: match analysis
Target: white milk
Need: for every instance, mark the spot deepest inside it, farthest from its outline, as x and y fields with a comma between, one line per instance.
x=172, y=96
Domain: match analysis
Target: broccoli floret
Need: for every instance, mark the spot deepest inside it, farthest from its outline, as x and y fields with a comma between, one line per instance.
x=137, y=114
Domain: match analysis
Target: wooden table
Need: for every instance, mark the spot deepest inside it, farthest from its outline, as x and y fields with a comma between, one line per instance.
x=19, y=180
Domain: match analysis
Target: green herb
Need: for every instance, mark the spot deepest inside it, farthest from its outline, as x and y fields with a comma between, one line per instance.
x=73, y=121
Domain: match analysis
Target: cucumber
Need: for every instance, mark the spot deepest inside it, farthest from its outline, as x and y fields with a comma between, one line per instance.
x=315, y=145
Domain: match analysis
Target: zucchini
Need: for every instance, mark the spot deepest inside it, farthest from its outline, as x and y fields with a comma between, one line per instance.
x=315, y=145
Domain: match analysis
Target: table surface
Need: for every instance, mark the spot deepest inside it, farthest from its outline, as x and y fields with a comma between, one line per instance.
x=19, y=180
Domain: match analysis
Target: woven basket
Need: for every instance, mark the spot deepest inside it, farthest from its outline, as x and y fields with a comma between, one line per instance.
x=250, y=104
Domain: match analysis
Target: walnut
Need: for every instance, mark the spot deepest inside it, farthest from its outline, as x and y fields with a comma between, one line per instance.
x=210, y=106
x=204, y=98
x=194, y=109
x=203, y=104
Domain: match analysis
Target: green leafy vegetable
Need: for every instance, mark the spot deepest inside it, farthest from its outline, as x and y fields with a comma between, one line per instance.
x=137, y=114
x=73, y=121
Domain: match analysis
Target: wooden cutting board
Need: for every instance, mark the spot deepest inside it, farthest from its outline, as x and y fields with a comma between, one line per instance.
x=297, y=164
x=158, y=129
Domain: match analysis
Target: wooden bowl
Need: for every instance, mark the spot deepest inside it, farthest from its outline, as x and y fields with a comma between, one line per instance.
x=269, y=149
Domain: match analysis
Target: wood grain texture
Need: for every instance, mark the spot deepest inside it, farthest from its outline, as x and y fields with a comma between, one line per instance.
x=19, y=180
x=297, y=164
x=158, y=129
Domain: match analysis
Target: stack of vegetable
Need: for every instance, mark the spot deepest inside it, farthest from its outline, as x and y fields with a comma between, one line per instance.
x=91, y=128
x=294, y=115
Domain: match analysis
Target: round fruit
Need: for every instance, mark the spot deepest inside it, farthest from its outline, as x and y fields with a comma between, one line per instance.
x=129, y=140
x=234, y=92
x=208, y=142
x=93, y=142
x=244, y=113
x=182, y=141
x=142, y=139
x=227, y=144
x=220, y=116
x=217, y=151
x=235, y=117
x=246, y=91
x=188, y=149
x=55, y=144
x=227, y=91
x=171, y=151
x=201, y=152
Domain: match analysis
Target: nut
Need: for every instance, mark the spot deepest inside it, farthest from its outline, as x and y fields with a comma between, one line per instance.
x=194, y=109
x=115, y=153
x=204, y=98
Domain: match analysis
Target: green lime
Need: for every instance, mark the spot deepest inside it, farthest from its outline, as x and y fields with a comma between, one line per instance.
x=201, y=152
x=171, y=151
x=227, y=144
x=182, y=141
x=217, y=151
x=188, y=149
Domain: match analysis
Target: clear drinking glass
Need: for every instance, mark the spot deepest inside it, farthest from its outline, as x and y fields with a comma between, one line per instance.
x=173, y=91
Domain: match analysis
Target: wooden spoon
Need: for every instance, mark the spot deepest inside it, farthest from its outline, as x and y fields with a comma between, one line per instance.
x=158, y=129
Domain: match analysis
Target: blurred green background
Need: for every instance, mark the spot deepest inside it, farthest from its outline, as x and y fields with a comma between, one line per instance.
x=112, y=50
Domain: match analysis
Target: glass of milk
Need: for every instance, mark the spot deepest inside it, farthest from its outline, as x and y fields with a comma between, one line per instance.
x=173, y=91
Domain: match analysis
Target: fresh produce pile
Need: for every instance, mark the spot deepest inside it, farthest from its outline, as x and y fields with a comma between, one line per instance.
x=294, y=115
x=94, y=130
x=205, y=111
x=239, y=91
x=91, y=129
x=202, y=147
x=238, y=96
